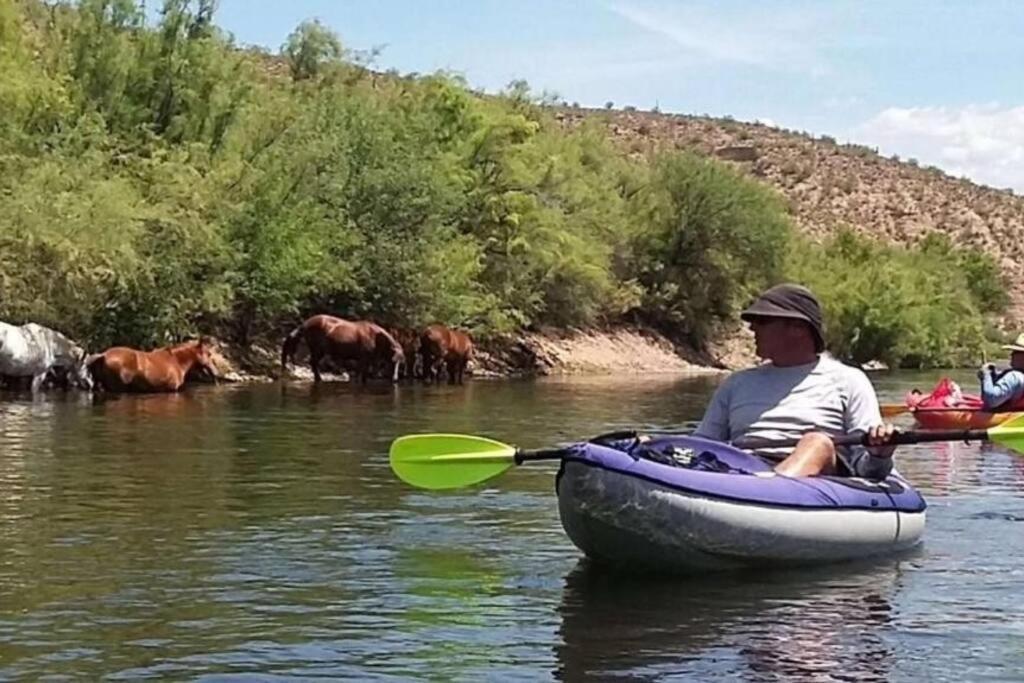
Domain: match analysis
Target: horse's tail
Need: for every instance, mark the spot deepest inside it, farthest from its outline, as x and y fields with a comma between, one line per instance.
x=291, y=343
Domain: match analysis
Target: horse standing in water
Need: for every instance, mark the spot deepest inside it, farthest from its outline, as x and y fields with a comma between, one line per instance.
x=442, y=346
x=409, y=340
x=344, y=341
x=122, y=369
x=33, y=350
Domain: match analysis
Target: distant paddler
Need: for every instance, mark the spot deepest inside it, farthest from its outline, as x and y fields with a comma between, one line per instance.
x=1004, y=390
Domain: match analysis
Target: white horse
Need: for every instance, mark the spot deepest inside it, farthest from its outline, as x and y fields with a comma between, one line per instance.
x=32, y=350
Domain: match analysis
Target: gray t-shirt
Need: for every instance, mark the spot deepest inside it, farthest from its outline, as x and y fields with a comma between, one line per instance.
x=769, y=403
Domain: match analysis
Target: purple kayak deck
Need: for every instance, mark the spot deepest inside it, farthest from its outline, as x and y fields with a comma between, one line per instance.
x=717, y=470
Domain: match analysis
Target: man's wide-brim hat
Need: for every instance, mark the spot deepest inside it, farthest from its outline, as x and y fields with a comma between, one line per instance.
x=1017, y=345
x=794, y=302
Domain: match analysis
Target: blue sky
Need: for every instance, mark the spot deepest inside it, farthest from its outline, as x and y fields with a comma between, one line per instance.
x=938, y=80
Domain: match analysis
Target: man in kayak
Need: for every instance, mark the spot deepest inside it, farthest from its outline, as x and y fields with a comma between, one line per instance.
x=1003, y=391
x=802, y=393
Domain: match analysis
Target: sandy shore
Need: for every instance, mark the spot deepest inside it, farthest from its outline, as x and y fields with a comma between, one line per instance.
x=613, y=350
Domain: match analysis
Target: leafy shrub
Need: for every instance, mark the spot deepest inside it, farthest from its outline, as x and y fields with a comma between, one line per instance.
x=710, y=239
x=156, y=181
x=905, y=307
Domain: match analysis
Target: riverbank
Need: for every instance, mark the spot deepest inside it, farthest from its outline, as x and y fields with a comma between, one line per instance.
x=622, y=349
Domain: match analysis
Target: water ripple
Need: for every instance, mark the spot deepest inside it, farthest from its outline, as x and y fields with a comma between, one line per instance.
x=257, y=532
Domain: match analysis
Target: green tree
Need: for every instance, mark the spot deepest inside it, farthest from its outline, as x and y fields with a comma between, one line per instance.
x=157, y=181
x=711, y=239
x=310, y=48
x=901, y=306
x=32, y=102
x=983, y=279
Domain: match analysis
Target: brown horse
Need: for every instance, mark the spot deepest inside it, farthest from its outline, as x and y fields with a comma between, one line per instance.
x=409, y=340
x=441, y=345
x=344, y=341
x=164, y=369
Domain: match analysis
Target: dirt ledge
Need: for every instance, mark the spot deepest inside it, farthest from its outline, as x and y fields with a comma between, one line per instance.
x=612, y=350
x=616, y=350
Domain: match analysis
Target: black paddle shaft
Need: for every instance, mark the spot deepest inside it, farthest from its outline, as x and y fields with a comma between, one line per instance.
x=905, y=438
x=542, y=454
x=855, y=439
x=558, y=453
x=861, y=438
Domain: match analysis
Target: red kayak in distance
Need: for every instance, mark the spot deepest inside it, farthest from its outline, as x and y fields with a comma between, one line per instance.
x=947, y=407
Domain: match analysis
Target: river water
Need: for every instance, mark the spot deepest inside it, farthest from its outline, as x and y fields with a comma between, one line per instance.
x=256, y=531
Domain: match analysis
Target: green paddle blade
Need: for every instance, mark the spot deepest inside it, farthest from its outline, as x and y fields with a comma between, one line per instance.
x=1009, y=434
x=449, y=461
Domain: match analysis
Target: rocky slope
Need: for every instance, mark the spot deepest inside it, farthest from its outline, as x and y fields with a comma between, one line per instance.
x=830, y=185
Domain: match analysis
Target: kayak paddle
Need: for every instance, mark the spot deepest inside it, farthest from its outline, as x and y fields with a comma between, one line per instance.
x=450, y=461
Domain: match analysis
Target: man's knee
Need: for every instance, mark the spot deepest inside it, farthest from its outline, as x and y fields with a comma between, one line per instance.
x=814, y=454
x=818, y=442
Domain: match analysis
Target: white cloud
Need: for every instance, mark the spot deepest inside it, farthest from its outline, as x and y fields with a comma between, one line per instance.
x=764, y=36
x=984, y=142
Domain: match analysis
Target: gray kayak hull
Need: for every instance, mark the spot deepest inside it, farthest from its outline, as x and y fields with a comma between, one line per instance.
x=616, y=518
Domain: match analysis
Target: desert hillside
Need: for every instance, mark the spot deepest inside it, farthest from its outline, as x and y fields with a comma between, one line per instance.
x=829, y=184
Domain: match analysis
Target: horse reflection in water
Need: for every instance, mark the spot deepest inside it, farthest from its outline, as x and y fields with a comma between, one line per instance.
x=149, y=408
x=825, y=624
x=34, y=351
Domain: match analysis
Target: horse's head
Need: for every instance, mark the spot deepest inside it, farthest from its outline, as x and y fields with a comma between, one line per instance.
x=201, y=354
x=387, y=348
x=79, y=371
x=205, y=357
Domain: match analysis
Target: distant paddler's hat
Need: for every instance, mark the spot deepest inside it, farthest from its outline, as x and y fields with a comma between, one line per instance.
x=791, y=301
x=1017, y=345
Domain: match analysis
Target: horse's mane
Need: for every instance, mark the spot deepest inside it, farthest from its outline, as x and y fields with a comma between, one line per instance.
x=199, y=341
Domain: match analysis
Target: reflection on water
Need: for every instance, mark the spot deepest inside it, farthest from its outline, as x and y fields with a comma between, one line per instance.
x=802, y=625
x=257, y=530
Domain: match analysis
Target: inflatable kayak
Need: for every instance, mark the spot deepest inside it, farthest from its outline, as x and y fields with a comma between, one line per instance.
x=955, y=418
x=683, y=503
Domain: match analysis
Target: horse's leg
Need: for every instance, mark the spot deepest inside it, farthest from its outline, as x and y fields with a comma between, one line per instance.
x=434, y=370
x=314, y=362
x=37, y=381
